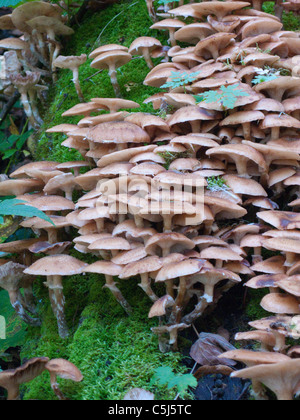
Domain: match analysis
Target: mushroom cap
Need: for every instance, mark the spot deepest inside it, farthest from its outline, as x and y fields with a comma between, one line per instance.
x=104, y=267
x=49, y=249
x=218, y=9
x=136, y=48
x=25, y=373
x=70, y=62
x=265, y=280
x=275, y=120
x=115, y=104
x=56, y=265
x=273, y=265
x=30, y=10
x=290, y=285
x=280, y=303
x=13, y=44
x=172, y=239
x=52, y=203
x=111, y=58
x=146, y=265
x=18, y=246
x=282, y=220
x=64, y=369
x=220, y=41
x=118, y=132
x=45, y=23
x=160, y=306
x=106, y=48
x=260, y=26
x=19, y=186
x=194, y=32
x=181, y=269
x=283, y=244
x=44, y=165
x=6, y=23
x=254, y=357
x=168, y=24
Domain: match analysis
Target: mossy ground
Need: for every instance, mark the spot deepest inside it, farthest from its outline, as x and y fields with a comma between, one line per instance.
x=113, y=351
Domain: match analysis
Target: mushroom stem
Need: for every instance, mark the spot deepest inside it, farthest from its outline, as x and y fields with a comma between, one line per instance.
x=179, y=302
x=55, y=387
x=114, y=81
x=16, y=302
x=196, y=313
x=27, y=108
x=146, y=286
x=77, y=84
x=147, y=57
x=57, y=299
x=34, y=108
x=111, y=285
x=172, y=37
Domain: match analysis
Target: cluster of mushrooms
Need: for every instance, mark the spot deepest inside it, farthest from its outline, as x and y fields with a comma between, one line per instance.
x=189, y=199
x=28, y=59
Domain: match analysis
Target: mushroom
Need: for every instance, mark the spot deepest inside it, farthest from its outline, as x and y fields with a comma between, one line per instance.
x=112, y=60
x=72, y=63
x=144, y=46
x=55, y=267
x=169, y=25
x=63, y=369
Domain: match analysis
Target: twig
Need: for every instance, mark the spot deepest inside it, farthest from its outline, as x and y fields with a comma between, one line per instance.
x=9, y=105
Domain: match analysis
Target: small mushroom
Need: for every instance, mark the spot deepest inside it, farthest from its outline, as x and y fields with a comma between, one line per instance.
x=63, y=369
x=72, y=63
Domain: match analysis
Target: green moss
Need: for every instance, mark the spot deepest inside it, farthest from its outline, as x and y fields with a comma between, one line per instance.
x=253, y=310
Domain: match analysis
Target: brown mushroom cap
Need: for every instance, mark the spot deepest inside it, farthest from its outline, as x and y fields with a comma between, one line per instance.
x=56, y=265
x=111, y=58
x=106, y=48
x=46, y=24
x=118, y=132
x=64, y=369
x=70, y=62
x=280, y=304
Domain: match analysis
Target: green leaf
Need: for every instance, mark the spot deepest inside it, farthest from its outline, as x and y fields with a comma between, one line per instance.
x=14, y=207
x=179, y=79
x=163, y=375
x=183, y=382
x=226, y=95
x=9, y=153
